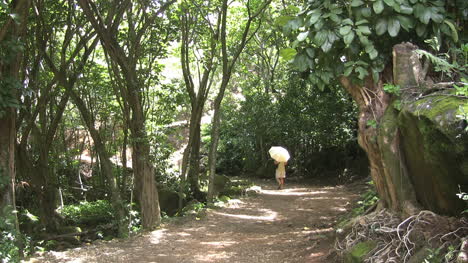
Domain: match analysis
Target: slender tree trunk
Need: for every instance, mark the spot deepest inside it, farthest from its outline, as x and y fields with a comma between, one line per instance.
x=192, y=153
x=214, y=147
x=123, y=185
x=106, y=164
x=7, y=161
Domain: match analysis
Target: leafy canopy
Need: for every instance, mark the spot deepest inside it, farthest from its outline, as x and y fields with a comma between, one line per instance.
x=354, y=38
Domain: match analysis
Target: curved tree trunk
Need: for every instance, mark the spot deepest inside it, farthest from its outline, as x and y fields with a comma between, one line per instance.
x=380, y=140
x=106, y=165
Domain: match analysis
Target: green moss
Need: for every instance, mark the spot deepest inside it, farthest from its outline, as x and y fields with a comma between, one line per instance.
x=433, y=156
x=441, y=109
x=359, y=251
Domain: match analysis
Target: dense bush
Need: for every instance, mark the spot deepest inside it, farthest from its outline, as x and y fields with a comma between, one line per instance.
x=89, y=213
x=310, y=123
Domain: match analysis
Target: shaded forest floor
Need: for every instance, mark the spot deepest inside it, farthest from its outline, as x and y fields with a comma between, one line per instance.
x=290, y=225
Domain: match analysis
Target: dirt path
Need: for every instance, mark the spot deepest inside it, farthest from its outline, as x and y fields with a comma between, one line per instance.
x=290, y=225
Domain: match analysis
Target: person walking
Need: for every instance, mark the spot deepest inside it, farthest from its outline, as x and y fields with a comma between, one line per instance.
x=281, y=157
x=280, y=173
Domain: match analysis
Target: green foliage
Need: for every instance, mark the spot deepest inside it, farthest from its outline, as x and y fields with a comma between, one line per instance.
x=355, y=38
x=440, y=64
x=462, y=90
x=89, y=213
x=368, y=199
x=9, y=251
x=392, y=89
x=434, y=256
x=10, y=86
x=372, y=123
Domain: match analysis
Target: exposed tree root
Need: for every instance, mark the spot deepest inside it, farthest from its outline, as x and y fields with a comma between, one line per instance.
x=397, y=241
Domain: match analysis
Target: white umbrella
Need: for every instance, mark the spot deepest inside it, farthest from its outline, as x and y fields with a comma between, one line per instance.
x=279, y=154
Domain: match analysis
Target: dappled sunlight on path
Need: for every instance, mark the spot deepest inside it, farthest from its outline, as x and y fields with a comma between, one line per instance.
x=290, y=225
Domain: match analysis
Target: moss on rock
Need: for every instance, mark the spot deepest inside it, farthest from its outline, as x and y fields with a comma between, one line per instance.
x=359, y=252
x=435, y=152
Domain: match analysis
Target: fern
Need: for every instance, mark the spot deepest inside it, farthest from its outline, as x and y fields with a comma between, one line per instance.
x=440, y=64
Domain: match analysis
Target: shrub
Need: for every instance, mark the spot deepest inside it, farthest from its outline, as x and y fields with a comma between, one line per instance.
x=89, y=213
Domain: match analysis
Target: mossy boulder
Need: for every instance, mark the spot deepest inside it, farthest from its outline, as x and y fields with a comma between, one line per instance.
x=435, y=151
x=168, y=201
x=358, y=253
x=425, y=154
x=221, y=182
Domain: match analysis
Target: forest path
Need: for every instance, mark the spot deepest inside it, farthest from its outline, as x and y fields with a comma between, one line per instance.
x=289, y=225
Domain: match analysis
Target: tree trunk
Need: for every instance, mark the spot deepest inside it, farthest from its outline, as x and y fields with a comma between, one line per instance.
x=7, y=162
x=381, y=142
x=123, y=185
x=145, y=180
x=106, y=165
x=214, y=147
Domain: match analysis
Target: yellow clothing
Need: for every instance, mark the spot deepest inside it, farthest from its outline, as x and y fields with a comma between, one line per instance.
x=281, y=170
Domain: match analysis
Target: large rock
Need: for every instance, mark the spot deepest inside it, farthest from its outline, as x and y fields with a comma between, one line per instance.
x=426, y=136
x=168, y=201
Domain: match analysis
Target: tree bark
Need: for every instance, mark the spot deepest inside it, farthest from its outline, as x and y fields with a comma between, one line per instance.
x=228, y=67
x=382, y=142
x=372, y=102
x=13, y=30
x=125, y=66
x=106, y=164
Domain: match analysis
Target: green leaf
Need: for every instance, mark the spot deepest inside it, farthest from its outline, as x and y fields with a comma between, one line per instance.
x=348, y=71
x=369, y=48
x=378, y=6
x=418, y=10
x=295, y=23
x=420, y=29
x=356, y=3
x=320, y=37
x=366, y=12
x=393, y=27
x=364, y=30
x=288, y=53
x=301, y=62
x=454, y=30
x=326, y=46
x=364, y=40
x=321, y=85
x=314, y=18
x=348, y=39
x=362, y=72
x=389, y=2
x=406, y=22
x=373, y=54
x=310, y=52
x=332, y=37
x=345, y=30
x=406, y=10
x=302, y=36
x=362, y=21
x=436, y=17
x=426, y=15
x=381, y=26
x=335, y=18
x=347, y=21
x=283, y=20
